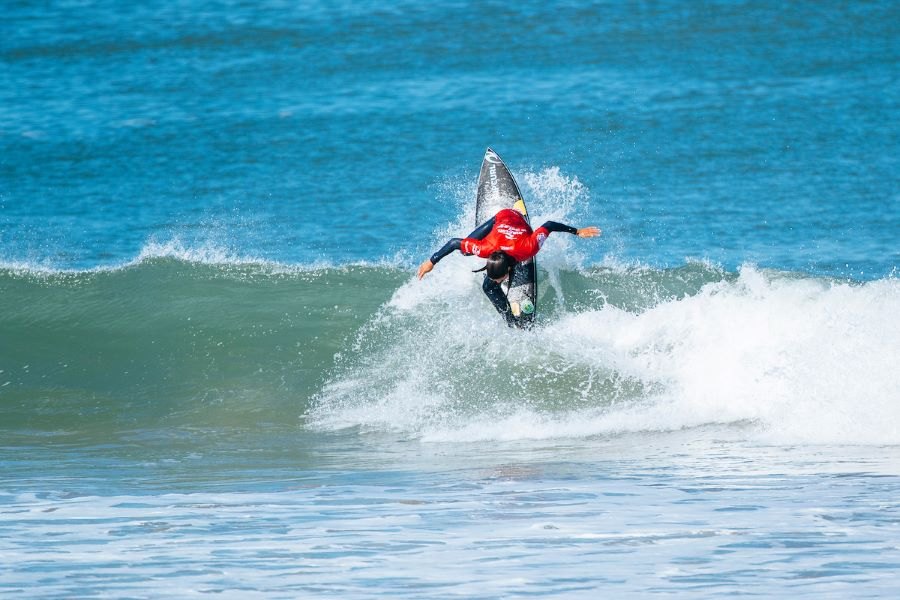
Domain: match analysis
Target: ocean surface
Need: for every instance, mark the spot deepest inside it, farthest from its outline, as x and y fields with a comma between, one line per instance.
x=219, y=376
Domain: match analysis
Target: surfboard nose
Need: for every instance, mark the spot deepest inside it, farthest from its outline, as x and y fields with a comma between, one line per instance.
x=492, y=157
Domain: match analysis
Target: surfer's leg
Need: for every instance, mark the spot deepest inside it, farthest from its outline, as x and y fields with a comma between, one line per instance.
x=495, y=294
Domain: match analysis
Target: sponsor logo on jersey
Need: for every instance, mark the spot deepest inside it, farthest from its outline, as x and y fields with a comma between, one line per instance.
x=510, y=232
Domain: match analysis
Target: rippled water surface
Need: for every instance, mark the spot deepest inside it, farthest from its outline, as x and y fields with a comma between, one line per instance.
x=218, y=375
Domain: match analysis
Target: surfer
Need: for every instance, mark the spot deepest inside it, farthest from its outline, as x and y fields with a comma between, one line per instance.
x=504, y=240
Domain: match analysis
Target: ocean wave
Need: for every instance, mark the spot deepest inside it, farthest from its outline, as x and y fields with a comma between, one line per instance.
x=793, y=358
x=200, y=336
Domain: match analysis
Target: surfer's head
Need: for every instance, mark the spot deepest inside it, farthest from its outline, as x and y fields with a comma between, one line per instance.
x=499, y=264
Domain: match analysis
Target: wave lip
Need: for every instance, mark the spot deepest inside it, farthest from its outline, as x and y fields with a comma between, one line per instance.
x=210, y=254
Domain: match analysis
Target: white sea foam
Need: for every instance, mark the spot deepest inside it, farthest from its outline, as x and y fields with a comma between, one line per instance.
x=207, y=253
x=801, y=360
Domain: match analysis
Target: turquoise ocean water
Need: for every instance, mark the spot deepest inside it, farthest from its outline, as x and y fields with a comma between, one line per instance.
x=218, y=375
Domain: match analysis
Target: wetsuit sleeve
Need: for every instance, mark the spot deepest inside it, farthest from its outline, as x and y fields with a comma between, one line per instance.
x=457, y=243
x=541, y=233
x=485, y=228
x=552, y=226
x=449, y=247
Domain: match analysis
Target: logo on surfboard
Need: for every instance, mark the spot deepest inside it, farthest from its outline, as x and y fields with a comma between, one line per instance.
x=491, y=157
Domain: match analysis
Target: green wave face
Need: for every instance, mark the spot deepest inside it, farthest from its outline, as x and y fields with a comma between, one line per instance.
x=167, y=341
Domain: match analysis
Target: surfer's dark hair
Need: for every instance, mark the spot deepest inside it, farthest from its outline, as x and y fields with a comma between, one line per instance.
x=498, y=264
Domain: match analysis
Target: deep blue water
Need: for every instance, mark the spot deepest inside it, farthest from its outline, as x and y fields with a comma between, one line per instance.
x=733, y=131
x=218, y=374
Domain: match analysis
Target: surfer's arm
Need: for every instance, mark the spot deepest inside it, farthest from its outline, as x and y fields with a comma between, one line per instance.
x=585, y=232
x=553, y=227
x=447, y=248
x=457, y=244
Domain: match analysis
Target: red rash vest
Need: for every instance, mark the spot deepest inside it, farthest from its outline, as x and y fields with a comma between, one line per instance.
x=511, y=234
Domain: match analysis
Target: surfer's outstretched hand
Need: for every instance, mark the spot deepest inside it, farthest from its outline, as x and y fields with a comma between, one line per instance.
x=587, y=232
x=424, y=268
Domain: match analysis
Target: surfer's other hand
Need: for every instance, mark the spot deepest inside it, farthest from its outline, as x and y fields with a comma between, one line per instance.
x=588, y=232
x=425, y=267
